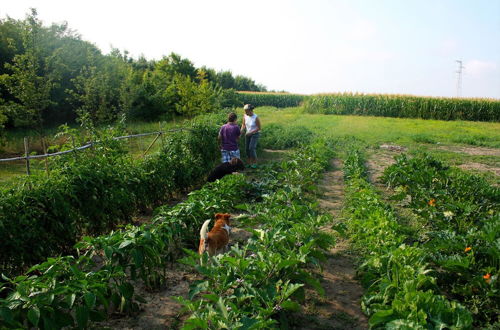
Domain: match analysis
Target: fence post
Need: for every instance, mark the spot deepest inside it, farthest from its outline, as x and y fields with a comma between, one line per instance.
x=75, y=152
x=44, y=146
x=26, y=153
x=162, y=138
x=156, y=138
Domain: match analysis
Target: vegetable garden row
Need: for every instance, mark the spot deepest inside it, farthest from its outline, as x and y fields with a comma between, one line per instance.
x=437, y=269
x=77, y=290
x=440, y=271
x=257, y=285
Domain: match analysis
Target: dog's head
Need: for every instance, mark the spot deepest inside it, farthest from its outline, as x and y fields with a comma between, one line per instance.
x=224, y=217
x=237, y=164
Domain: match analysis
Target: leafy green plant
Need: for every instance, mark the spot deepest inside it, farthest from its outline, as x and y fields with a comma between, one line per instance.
x=461, y=211
x=75, y=291
x=402, y=288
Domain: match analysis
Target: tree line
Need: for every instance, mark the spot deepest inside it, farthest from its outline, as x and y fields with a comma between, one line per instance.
x=49, y=75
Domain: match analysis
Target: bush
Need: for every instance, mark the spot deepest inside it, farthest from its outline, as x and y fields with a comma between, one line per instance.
x=278, y=137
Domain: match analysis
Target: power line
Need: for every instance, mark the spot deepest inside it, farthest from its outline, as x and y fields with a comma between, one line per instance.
x=459, y=77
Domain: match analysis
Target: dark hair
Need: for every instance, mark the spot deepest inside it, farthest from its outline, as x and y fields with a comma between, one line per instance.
x=248, y=107
x=232, y=116
x=237, y=163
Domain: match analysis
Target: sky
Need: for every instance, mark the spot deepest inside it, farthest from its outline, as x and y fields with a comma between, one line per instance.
x=303, y=46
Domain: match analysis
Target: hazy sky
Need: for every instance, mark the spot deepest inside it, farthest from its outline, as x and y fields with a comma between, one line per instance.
x=303, y=46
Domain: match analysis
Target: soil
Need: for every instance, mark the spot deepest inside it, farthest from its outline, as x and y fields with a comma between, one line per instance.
x=378, y=160
x=161, y=310
x=340, y=307
x=475, y=151
x=383, y=157
x=480, y=168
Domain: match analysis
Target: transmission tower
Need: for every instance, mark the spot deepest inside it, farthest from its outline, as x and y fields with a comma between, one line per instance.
x=459, y=77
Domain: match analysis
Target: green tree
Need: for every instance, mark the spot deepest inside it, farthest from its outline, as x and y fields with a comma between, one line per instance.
x=211, y=74
x=66, y=60
x=174, y=64
x=225, y=79
x=195, y=98
x=27, y=81
x=156, y=94
x=242, y=83
x=3, y=119
x=11, y=41
x=102, y=86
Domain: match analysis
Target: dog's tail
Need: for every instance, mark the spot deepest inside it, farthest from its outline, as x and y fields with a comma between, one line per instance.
x=204, y=230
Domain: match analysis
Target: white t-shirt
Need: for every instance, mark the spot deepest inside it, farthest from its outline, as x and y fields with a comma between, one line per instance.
x=251, y=122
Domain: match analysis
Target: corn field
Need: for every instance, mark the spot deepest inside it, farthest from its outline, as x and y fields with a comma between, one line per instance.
x=279, y=100
x=382, y=105
x=404, y=106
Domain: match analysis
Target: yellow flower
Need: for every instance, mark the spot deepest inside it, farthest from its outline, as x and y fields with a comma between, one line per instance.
x=448, y=214
x=467, y=249
x=432, y=202
x=487, y=278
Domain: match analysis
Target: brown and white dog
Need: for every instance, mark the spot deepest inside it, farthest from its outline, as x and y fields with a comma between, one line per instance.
x=215, y=241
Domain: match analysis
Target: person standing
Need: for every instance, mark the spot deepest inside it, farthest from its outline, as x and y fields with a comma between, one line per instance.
x=229, y=136
x=251, y=123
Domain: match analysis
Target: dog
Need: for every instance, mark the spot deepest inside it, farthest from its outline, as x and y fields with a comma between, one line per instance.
x=234, y=165
x=215, y=241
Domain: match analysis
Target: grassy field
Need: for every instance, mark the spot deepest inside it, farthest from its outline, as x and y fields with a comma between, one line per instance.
x=377, y=130
x=457, y=142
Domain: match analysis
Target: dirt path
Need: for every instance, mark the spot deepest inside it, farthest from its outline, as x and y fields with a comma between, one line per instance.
x=378, y=160
x=473, y=166
x=474, y=150
x=160, y=311
x=340, y=308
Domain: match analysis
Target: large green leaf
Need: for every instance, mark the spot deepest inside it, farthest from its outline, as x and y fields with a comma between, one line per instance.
x=127, y=290
x=34, y=315
x=82, y=316
x=90, y=299
x=381, y=317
